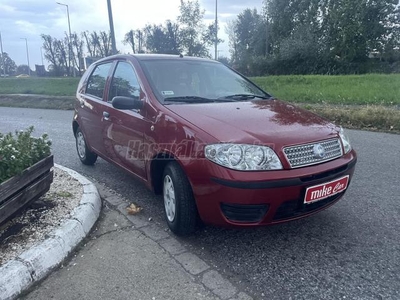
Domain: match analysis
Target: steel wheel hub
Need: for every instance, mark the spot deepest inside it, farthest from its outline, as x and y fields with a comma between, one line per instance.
x=81, y=145
x=169, y=198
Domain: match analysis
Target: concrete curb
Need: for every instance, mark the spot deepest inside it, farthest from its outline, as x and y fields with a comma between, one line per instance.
x=19, y=274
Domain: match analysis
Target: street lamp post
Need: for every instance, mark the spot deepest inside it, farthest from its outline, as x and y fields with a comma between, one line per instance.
x=216, y=29
x=110, y=19
x=70, y=40
x=27, y=55
x=41, y=55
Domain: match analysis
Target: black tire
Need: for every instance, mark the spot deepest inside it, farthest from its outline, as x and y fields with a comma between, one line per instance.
x=86, y=156
x=186, y=215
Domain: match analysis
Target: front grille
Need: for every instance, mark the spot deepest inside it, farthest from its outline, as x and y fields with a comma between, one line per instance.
x=244, y=213
x=304, y=155
x=296, y=208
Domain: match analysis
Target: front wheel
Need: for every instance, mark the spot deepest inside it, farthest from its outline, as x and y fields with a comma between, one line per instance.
x=86, y=156
x=179, y=204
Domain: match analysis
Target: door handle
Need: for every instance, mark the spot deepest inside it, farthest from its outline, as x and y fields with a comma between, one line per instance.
x=106, y=115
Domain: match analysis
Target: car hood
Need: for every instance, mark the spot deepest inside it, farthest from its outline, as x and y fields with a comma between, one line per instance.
x=269, y=122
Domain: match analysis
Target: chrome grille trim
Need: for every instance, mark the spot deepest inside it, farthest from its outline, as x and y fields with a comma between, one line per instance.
x=303, y=155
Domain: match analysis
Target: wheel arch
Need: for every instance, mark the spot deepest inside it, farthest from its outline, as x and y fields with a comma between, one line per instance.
x=157, y=166
x=75, y=126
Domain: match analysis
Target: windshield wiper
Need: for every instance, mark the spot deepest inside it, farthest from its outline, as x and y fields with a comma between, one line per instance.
x=244, y=97
x=195, y=99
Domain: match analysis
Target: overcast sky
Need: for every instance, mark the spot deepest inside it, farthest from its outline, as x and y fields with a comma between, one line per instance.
x=30, y=18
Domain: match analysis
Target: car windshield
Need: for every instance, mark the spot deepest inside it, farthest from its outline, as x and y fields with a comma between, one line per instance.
x=191, y=81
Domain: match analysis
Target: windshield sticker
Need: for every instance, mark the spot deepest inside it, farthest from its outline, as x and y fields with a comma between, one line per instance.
x=167, y=93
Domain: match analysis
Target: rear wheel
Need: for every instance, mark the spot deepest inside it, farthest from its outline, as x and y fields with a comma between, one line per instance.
x=179, y=204
x=86, y=156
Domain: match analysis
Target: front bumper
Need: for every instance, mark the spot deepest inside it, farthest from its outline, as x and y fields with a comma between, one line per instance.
x=234, y=198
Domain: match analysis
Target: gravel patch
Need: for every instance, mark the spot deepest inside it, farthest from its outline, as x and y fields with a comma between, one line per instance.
x=42, y=216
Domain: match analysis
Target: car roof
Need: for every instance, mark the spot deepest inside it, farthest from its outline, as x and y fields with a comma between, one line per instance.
x=143, y=57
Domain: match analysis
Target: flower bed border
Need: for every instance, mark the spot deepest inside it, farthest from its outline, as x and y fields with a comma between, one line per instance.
x=20, y=190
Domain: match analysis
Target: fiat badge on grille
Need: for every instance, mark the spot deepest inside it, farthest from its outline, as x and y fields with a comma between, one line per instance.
x=319, y=151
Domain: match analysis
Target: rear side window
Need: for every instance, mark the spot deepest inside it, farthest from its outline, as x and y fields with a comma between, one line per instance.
x=124, y=82
x=97, y=81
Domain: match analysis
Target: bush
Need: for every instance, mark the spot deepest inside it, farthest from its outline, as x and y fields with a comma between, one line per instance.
x=21, y=151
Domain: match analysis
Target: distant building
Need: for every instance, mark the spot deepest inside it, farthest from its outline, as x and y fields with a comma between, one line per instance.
x=40, y=70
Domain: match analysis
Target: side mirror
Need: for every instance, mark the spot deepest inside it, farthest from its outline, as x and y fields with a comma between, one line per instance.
x=120, y=102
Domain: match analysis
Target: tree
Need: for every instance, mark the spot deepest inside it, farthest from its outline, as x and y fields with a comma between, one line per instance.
x=22, y=69
x=77, y=48
x=163, y=39
x=105, y=44
x=9, y=65
x=224, y=60
x=55, y=53
x=98, y=44
x=129, y=39
x=230, y=30
x=140, y=39
x=195, y=37
x=247, y=36
x=89, y=44
x=346, y=30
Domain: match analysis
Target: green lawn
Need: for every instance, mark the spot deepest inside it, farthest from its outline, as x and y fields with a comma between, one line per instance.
x=350, y=89
x=42, y=86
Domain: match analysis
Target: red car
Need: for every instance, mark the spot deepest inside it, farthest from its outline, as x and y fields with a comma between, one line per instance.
x=217, y=147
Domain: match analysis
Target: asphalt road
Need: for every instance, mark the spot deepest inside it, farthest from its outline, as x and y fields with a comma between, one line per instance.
x=350, y=251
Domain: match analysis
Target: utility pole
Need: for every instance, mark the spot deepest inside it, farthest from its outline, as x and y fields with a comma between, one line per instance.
x=110, y=19
x=71, y=55
x=216, y=29
x=2, y=56
x=27, y=55
x=41, y=55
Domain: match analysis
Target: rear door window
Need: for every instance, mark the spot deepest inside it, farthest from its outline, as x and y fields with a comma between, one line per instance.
x=97, y=80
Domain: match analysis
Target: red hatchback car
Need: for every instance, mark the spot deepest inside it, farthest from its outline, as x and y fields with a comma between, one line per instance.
x=215, y=145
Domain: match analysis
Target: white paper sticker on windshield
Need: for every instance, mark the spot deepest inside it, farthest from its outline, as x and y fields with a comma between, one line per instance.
x=167, y=93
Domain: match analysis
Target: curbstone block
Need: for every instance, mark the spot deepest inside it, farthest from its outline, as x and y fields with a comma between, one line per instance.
x=172, y=246
x=193, y=264
x=219, y=285
x=86, y=215
x=91, y=189
x=104, y=191
x=154, y=232
x=44, y=257
x=94, y=200
x=114, y=200
x=71, y=233
x=14, y=278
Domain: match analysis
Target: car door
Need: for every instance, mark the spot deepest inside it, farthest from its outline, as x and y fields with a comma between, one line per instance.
x=92, y=105
x=124, y=129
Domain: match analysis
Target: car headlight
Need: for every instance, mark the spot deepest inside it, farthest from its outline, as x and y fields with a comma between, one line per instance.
x=243, y=157
x=345, y=140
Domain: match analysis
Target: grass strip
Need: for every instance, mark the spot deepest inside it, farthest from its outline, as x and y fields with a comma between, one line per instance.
x=378, y=89
x=38, y=101
x=365, y=117
x=63, y=86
